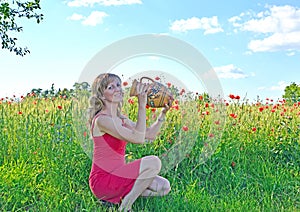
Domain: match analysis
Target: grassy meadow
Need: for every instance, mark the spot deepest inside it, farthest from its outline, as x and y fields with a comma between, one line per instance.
x=229, y=156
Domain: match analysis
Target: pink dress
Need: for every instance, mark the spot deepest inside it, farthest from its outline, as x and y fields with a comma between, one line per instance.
x=111, y=178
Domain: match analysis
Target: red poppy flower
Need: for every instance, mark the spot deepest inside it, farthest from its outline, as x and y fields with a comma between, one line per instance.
x=157, y=78
x=231, y=96
x=130, y=101
x=169, y=84
x=125, y=83
x=217, y=122
x=200, y=97
x=233, y=164
x=233, y=115
x=20, y=112
x=185, y=128
x=59, y=107
x=182, y=91
x=253, y=129
x=176, y=107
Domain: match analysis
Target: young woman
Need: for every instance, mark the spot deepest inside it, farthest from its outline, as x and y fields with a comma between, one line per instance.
x=111, y=178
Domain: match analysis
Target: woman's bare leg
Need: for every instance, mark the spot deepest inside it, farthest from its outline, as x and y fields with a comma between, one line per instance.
x=159, y=187
x=150, y=166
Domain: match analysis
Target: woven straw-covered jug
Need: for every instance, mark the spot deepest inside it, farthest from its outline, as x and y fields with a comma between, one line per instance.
x=157, y=95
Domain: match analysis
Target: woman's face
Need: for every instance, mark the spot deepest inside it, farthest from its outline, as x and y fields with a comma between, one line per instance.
x=114, y=92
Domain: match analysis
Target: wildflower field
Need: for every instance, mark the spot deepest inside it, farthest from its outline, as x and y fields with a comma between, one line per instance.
x=219, y=156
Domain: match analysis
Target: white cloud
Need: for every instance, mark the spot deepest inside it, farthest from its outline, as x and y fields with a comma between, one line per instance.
x=234, y=20
x=91, y=3
x=281, y=85
x=230, y=72
x=209, y=25
x=76, y=17
x=279, y=27
x=290, y=54
x=277, y=42
x=262, y=88
x=95, y=18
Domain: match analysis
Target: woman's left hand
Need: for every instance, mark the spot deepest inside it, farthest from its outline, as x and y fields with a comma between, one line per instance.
x=167, y=106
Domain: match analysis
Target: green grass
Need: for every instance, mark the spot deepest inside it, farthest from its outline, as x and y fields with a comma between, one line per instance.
x=43, y=166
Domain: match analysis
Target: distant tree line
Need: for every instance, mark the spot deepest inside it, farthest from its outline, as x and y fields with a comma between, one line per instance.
x=78, y=89
x=291, y=92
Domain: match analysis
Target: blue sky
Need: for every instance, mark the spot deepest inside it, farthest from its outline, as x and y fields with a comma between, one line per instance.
x=252, y=45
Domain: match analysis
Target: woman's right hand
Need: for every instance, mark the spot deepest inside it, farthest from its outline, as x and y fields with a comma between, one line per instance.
x=142, y=90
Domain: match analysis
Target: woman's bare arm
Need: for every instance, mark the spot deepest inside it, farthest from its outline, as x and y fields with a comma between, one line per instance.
x=115, y=126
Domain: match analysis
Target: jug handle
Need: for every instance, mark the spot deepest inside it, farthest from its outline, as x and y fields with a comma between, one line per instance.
x=148, y=78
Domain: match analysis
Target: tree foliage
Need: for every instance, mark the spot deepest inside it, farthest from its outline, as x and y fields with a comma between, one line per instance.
x=292, y=93
x=79, y=90
x=10, y=12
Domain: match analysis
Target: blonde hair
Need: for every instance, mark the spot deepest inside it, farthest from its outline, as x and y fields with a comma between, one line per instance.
x=99, y=85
